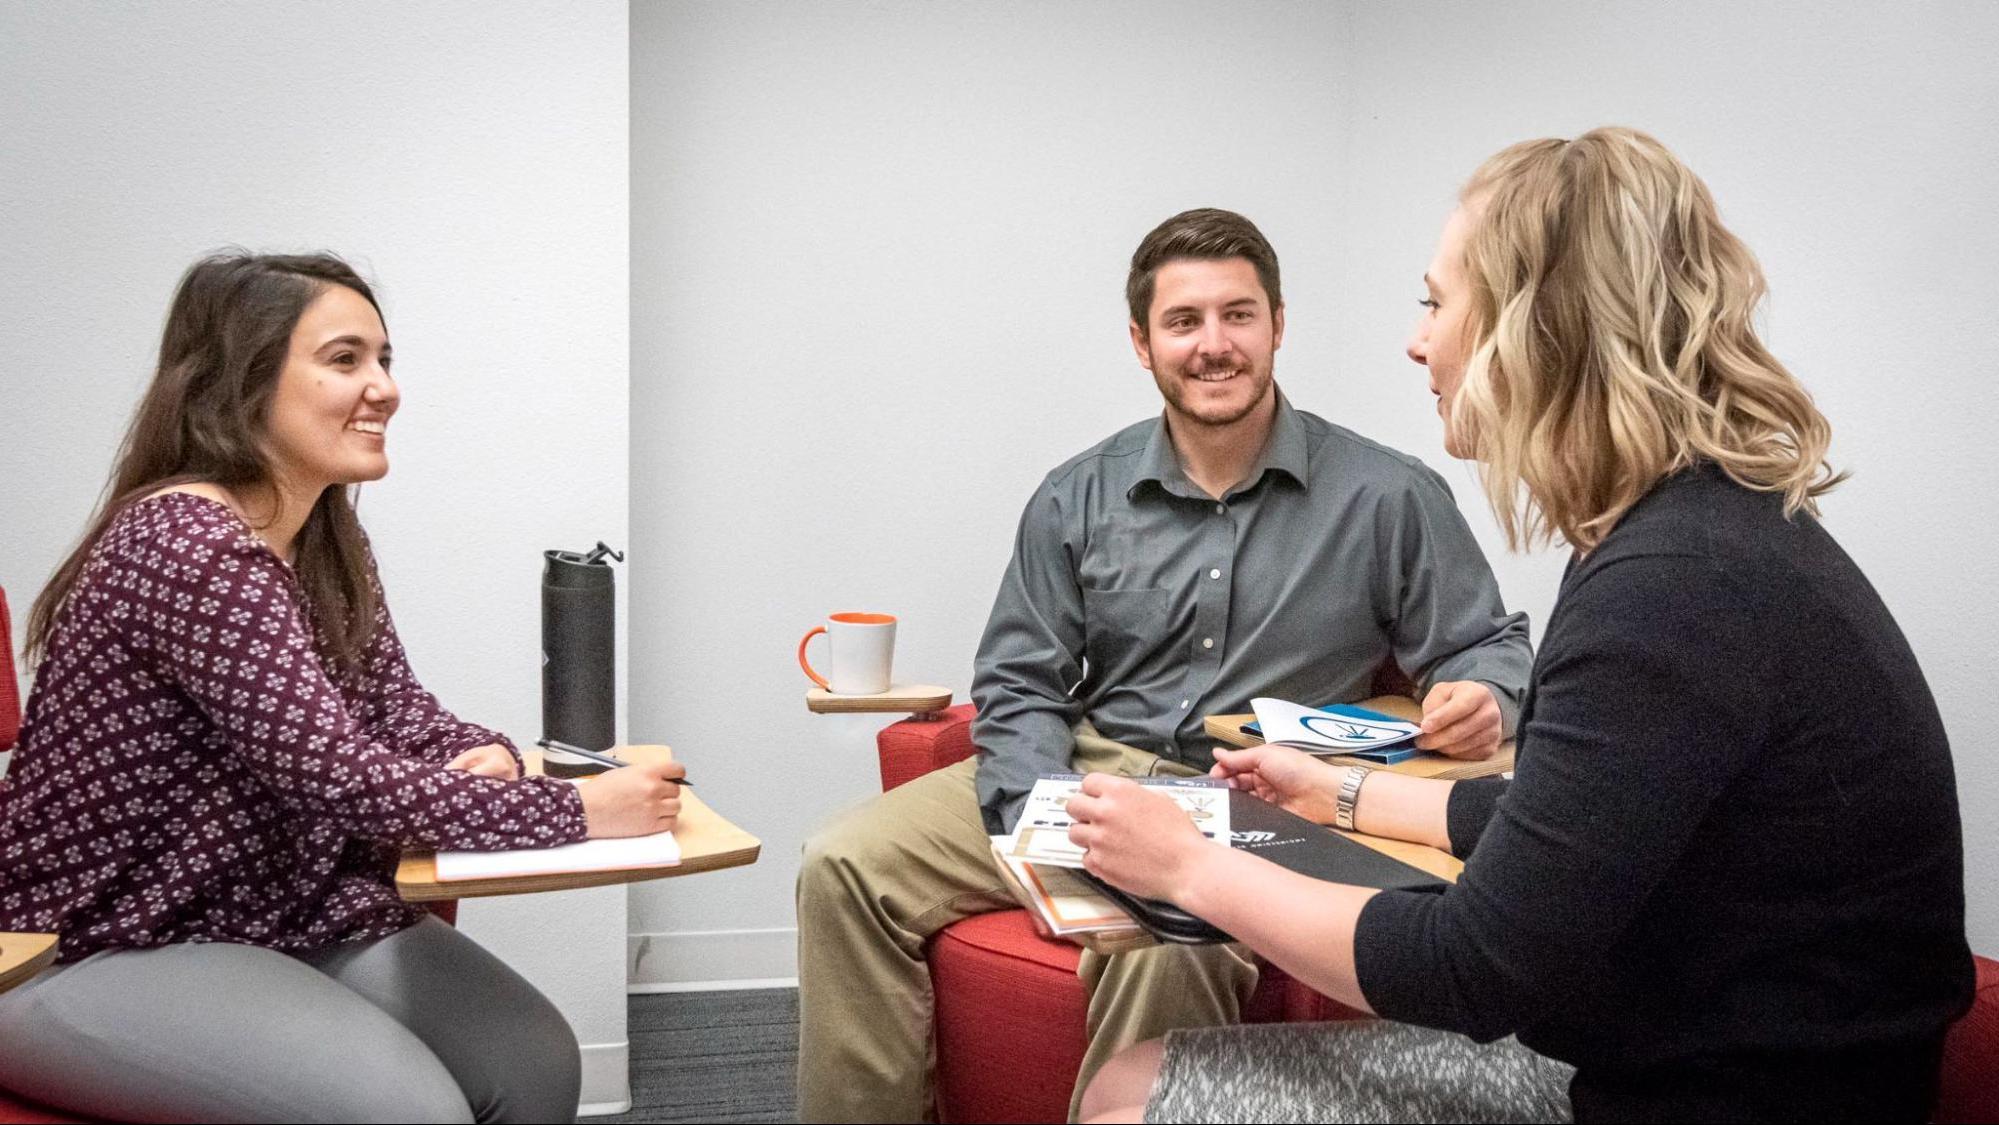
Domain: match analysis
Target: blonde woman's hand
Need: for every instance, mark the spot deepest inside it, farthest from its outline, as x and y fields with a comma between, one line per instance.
x=635, y=800
x=1286, y=777
x=1136, y=839
x=490, y=760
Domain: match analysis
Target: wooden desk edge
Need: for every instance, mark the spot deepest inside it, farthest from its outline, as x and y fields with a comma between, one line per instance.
x=1422, y=857
x=914, y=699
x=24, y=955
x=708, y=841
x=416, y=878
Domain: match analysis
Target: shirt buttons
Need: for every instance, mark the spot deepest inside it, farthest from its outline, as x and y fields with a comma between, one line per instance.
x=1207, y=642
x=1222, y=508
x=1185, y=703
x=1216, y=573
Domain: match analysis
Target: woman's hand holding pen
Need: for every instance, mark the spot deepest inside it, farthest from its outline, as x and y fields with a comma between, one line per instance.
x=636, y=800
x=1288, y=778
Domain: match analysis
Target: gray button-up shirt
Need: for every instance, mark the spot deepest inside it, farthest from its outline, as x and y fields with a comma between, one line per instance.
x=1138, y=601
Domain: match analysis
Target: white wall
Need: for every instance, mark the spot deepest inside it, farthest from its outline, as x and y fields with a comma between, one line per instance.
x=876, y=270
x=469, y=157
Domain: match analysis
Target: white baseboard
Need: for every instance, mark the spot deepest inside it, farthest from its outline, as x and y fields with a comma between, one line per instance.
x=746, y=984
x=711, y=959
x=607, y=1079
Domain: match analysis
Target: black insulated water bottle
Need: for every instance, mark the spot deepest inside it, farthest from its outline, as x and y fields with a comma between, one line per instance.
x=579, y=663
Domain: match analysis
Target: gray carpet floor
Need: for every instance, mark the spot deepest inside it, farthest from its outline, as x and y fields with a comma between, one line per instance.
x=714, y=1056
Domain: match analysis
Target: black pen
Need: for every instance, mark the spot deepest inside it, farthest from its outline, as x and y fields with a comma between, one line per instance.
x=595, y=756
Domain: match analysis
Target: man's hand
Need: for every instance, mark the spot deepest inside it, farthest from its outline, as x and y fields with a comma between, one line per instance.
x=1461, y=720
x=1288, y=778
x=1136, y=840
x=490, y=760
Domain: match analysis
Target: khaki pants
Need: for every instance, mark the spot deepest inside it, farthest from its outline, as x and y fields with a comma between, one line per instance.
x=880, y=880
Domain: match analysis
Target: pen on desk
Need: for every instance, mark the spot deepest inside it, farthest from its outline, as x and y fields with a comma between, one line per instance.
x=593, y=755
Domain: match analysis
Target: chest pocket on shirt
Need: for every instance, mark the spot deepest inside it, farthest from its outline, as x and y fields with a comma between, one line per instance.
x=1123, y=623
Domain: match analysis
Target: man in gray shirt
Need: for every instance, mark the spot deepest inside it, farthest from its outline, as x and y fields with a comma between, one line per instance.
x=1232, y=547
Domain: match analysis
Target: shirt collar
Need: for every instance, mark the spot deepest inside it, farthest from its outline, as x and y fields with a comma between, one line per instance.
x=1286, y=452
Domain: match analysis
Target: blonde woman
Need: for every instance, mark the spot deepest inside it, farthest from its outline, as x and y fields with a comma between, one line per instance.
x=1726, y=882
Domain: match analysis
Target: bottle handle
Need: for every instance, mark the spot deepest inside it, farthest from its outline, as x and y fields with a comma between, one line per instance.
x=803, y=663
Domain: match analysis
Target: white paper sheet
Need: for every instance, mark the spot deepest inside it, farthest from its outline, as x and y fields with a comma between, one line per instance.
x=657, y=850
x=1324, y=730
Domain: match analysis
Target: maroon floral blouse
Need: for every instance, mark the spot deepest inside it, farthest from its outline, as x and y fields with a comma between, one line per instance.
x=191, y=770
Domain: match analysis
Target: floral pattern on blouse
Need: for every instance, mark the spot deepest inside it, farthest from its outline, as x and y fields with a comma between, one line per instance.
x=190, y=769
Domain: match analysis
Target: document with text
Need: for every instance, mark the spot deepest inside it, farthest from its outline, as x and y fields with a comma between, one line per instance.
x=1042, y=834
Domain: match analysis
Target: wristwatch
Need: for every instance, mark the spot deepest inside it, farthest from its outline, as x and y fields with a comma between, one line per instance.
x=1349, y=795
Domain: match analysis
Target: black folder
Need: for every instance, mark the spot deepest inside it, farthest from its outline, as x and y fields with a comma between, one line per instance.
x=1290, y=841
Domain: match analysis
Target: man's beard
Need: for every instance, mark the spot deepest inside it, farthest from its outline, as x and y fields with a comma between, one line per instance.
x=1176, y=392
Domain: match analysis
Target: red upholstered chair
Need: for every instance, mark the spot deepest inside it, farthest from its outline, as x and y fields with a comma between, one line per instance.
x=12, y=1107
x=1010, y=1012
x=10, y=697
x=1969, y=1090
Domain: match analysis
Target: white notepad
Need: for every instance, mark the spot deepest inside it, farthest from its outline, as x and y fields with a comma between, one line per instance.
x=657, y=850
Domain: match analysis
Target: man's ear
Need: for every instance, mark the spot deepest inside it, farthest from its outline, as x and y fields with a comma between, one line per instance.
x=1142, y=344
x=1277, y=328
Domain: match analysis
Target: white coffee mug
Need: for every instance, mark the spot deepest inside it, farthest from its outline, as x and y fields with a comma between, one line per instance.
x=863, y=652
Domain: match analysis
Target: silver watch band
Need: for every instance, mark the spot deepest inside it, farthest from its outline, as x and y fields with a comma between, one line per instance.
x=1350, y=785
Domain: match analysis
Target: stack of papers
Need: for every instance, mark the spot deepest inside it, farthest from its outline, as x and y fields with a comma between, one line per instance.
x=1039, y=860
x=1062, y=902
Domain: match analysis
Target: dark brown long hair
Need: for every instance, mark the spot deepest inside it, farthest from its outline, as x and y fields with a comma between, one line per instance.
x=203, y=419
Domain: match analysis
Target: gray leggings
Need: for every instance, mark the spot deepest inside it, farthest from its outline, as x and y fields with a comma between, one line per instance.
x=423, y=1025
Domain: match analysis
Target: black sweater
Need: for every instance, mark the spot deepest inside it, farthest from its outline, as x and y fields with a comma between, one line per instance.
x=1727, y=881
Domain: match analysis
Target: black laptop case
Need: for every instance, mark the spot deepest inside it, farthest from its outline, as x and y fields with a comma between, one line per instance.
x=1290, y=841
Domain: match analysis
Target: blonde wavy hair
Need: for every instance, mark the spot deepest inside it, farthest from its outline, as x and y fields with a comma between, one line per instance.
x=1612, y=344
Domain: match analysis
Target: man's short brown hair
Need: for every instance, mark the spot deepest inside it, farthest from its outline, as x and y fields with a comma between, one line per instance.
x=1205, y=234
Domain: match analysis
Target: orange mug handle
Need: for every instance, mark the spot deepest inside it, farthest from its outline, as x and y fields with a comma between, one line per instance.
x=802, y=663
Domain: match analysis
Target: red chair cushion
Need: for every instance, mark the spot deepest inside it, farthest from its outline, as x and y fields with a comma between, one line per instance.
x=12, y=1108
x=915, y=746
x=1003, y=990
x=1969, y=1090
x=1010, y=1020
x=10, y=692
x=16, y=1111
